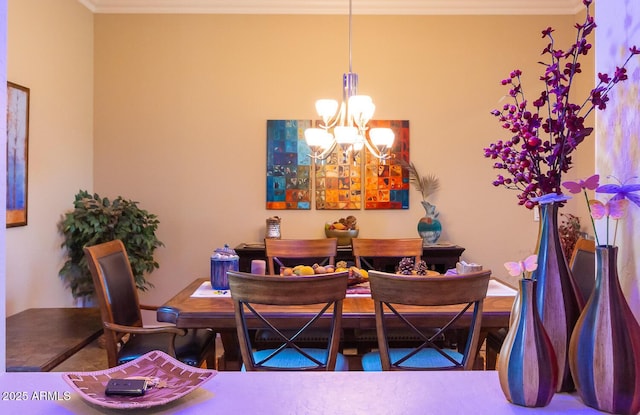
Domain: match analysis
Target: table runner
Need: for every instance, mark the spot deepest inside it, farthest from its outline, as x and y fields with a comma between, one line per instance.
x=495, y=289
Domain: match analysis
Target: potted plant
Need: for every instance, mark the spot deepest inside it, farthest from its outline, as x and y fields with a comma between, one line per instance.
x=96, y=220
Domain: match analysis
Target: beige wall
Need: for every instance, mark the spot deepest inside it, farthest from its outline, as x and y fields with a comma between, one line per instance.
x=179, y=120
x=182, y=103
x=50, y=51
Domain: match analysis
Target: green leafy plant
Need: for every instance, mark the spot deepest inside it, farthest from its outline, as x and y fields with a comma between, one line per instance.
x=96, y=220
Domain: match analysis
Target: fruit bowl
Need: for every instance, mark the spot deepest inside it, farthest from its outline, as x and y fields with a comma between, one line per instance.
x=344, y=236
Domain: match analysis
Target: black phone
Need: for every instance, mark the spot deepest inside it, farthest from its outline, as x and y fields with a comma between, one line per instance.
x=126, y=387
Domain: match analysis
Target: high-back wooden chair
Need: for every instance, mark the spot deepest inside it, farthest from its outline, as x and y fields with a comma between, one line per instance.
x=365, y=251
x=583, y=267
x=125, y=337
x=464, y=294
x=285, y=252
x=315, y=302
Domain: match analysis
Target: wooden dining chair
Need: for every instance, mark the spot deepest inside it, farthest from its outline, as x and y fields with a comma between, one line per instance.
x=365, y=251
x=125, y=337
x=323, y=292
x=290, y=252
x=583, y=268
x=463, y=294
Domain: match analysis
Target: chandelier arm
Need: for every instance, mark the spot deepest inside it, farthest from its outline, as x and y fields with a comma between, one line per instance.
x=324, y=154
x=334, y=120
x=374, y=151
x=330, y=125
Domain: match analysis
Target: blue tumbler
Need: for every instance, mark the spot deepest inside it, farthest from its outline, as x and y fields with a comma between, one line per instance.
x=223, y=260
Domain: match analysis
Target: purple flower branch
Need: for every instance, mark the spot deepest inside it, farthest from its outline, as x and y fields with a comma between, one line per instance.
x=543, y=137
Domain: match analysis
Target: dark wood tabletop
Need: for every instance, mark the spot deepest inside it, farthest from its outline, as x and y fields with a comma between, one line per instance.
x=217, y=313
x=186, y=311
x=39, y=339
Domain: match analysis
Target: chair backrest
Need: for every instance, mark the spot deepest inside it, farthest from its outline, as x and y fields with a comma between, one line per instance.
x=583, y=267
x=282, y=251
x=321, y=295
x=367, y=249
x=461, y=292
x=115, y=288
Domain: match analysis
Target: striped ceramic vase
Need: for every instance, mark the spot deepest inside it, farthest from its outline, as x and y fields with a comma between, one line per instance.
x=527, y=364
x=604, y=352
x=556, y=298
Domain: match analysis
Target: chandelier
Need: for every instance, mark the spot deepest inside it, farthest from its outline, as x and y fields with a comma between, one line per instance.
x=345, y=124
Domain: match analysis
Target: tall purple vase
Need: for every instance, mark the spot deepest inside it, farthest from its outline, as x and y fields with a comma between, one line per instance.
x=604, y=352
x=556, y=297
x=527, y=366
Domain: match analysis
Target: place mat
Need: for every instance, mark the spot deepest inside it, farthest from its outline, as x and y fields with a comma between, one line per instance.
x=359, y=290
x=499, y=289
x=205, y=291
x=170, y=379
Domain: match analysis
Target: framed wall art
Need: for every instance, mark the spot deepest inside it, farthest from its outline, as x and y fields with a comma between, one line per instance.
x=288, y=165
x=17, y=153
x=338, y=181
x=386, y=183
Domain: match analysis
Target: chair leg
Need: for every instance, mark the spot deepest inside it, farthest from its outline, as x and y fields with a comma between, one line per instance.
x=211, y=359
x=492, y=358
x=494, y=343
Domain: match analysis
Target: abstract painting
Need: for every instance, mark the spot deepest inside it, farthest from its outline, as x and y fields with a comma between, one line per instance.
x=341, y=181
x=288, y=165
x=17, y=153
x=386, y=182
x=338, y=181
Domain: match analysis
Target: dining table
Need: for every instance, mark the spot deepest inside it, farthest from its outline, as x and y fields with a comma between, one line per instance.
x=39, y=339
x=199, y=306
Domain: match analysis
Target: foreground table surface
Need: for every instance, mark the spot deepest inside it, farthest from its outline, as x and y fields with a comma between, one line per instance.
x=39, y=339
x=301, y=393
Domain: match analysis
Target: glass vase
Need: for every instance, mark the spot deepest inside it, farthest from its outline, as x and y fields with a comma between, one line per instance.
x=527, y=365
x=429, y=226
x=556, y=297
x=604, y=352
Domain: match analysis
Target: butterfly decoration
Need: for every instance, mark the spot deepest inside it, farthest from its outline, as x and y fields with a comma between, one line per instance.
x=614, y=208
x=527, y=265
x=591, y=183
x=621, y=191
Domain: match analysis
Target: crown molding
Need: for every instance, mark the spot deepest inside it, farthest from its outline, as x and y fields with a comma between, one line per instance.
x=373, y=7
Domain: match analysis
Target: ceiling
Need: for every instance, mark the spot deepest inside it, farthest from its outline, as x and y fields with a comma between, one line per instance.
x=397, y=7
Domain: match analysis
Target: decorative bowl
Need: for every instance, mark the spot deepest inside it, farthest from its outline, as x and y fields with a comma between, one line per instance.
x=344, y=236
x=171, y=380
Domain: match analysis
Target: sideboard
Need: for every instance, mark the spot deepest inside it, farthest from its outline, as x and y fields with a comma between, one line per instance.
x=438, y=257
